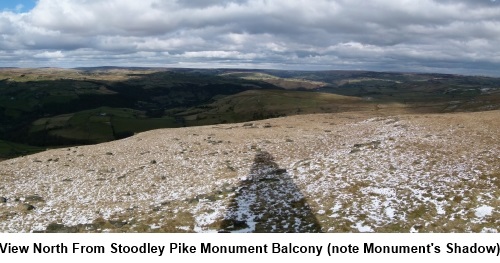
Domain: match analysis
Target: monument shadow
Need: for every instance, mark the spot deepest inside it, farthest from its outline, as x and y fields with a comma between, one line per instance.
x=269, y=201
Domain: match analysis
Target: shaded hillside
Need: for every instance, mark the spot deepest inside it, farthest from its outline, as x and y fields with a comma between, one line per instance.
x=35, y=103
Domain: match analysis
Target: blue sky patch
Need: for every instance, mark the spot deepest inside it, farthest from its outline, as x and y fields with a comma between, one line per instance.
x=18, y=6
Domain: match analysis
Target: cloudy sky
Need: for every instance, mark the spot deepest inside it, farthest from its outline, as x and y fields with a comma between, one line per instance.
x=449, y=36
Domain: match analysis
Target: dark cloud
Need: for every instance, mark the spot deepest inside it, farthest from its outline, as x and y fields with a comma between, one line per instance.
x=473, y=3
x=440, y=35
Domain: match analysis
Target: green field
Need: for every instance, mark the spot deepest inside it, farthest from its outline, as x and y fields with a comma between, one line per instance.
x=10, y=149
x=99, y=125
x=262, y=104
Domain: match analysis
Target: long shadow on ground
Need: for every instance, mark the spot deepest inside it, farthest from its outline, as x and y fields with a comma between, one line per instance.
x=269, y=201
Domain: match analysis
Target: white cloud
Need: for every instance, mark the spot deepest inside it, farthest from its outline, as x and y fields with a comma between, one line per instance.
x=50, y=55
x=219, y=54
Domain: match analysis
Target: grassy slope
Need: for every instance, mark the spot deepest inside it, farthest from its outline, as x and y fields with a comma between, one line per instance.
x=260, y=104
x=10, y=149
x=286, y=83
x=100, y=124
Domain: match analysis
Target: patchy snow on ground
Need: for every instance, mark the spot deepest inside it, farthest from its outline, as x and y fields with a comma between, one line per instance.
x=348, y=172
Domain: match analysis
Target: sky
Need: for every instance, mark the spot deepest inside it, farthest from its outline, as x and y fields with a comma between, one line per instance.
x=17, y=6
x=445, y=36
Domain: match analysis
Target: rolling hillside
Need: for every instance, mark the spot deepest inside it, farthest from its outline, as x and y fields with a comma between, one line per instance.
x=51, y=108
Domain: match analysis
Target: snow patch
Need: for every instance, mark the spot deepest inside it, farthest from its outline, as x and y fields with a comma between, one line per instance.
x=483, y=211
x=389, y=212
x=363, y=229
x=489, y=230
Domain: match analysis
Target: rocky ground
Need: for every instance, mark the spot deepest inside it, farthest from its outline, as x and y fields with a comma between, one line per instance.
x=349, y=172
